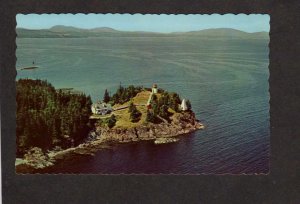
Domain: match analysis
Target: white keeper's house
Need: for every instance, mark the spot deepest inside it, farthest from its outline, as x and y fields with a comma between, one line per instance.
x=101, y=108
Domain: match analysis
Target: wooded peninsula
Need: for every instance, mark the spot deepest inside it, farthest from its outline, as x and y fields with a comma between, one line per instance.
x=52, y=123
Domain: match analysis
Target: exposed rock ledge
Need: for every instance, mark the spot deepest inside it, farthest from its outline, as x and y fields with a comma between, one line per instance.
x=181, y=123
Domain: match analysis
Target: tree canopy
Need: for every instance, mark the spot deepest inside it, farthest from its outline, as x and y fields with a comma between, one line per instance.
x=160, y=106
x=124, y=94
x=47, y=117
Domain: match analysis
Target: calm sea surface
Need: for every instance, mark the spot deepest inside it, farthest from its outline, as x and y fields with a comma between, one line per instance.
x=226, y=81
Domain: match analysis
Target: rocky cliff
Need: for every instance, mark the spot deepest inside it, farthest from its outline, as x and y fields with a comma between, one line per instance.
x=180, y=123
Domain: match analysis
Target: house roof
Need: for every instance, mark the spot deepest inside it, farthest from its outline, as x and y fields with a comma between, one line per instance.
x=101, y=105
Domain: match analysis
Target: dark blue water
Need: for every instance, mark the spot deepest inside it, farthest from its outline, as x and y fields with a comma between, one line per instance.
x=226, y=81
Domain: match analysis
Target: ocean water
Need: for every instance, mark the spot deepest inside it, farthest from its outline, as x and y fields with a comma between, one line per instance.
x=226, y=81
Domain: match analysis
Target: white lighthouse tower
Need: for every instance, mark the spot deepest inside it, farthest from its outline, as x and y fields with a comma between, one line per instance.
x=183, y=105
x=154, y=89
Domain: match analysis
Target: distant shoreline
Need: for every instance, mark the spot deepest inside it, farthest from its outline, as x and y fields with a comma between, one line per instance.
x=73, y=32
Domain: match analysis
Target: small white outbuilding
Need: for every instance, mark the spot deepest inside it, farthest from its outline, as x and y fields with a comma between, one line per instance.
x=183, y=105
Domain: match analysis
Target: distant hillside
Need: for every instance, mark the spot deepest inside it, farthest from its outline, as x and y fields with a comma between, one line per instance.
x=225, y=33
x=219, y=32
x=60, y=28
x=68, y=29
x=60, y=31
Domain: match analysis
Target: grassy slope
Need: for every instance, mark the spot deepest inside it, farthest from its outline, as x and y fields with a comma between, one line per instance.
x=123, y=116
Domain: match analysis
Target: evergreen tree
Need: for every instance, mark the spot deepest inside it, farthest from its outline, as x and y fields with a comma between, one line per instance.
x=188, y=105
x=150, y=117
x=135, y=114
x=123, y=94
x=106, y=97
x=164, y=99
x=131, y=107
x=155, y=108
x=175, y=98
x=174, y=105
x=174, y=101
x=45, y=115
x=163, y=111
x=154, y=97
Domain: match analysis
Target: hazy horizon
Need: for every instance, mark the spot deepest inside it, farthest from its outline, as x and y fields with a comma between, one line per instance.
x=147, y=23
x=114, y=29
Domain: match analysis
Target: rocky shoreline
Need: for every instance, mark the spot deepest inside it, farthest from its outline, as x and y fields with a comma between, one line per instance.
x=181, y=123
x=104, y=137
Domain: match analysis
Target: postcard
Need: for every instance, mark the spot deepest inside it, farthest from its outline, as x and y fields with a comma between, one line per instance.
x=142, y=94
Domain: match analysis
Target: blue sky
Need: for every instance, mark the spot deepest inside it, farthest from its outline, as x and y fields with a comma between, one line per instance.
x=154, y=23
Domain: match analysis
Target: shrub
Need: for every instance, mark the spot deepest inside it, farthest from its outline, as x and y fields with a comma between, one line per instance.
x=111, y=122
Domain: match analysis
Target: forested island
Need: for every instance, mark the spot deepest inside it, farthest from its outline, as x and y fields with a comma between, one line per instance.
x=53, y=123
